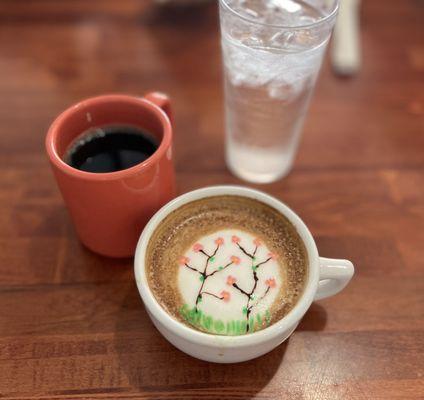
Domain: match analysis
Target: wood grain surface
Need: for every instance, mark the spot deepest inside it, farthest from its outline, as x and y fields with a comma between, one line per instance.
x=72, y=325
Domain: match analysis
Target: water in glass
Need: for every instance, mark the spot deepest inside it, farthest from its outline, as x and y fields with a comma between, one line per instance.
x=272, y=52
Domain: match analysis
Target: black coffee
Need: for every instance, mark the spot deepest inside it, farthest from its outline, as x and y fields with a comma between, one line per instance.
x=110, y=149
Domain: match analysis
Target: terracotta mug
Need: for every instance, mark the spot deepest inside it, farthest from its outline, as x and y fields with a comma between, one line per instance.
x=109, y=210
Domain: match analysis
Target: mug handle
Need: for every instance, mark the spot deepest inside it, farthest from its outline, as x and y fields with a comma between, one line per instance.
x=334, y=275
x=161, y=100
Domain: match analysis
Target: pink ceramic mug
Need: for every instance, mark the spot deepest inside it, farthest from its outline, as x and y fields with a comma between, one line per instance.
x=109, y=210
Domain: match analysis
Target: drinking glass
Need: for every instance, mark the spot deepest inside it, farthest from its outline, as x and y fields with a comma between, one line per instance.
x=272, y=53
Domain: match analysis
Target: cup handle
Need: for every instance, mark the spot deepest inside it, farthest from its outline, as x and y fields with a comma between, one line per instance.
x=334, y=275
x=162, y=101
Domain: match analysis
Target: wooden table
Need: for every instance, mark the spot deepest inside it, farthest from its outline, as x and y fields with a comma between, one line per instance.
x=72, y=324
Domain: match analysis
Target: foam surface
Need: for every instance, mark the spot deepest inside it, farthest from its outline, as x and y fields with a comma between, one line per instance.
x=226, y=265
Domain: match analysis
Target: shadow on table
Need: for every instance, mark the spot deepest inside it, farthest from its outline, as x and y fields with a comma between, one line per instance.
x=183, y=17
x=186, y=41
x=186, y=45
x=153, y=365
x=315, y=319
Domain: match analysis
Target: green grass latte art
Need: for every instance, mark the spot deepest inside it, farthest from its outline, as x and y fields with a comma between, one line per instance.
x=207, y=323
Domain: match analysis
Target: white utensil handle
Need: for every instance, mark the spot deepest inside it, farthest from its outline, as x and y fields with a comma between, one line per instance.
x=346, y=57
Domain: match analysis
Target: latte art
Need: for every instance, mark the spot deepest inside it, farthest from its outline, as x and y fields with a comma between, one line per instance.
x=232, y=279
x=226, y=265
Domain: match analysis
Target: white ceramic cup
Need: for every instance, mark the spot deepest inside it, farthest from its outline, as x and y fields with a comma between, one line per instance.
x=326, y=277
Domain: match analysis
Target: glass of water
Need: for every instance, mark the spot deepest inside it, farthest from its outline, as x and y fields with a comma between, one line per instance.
x=272, y=53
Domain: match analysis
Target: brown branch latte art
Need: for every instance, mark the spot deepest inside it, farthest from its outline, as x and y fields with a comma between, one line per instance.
x=232, y=281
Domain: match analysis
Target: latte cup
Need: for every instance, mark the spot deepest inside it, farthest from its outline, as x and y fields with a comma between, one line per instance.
x=326, y=277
